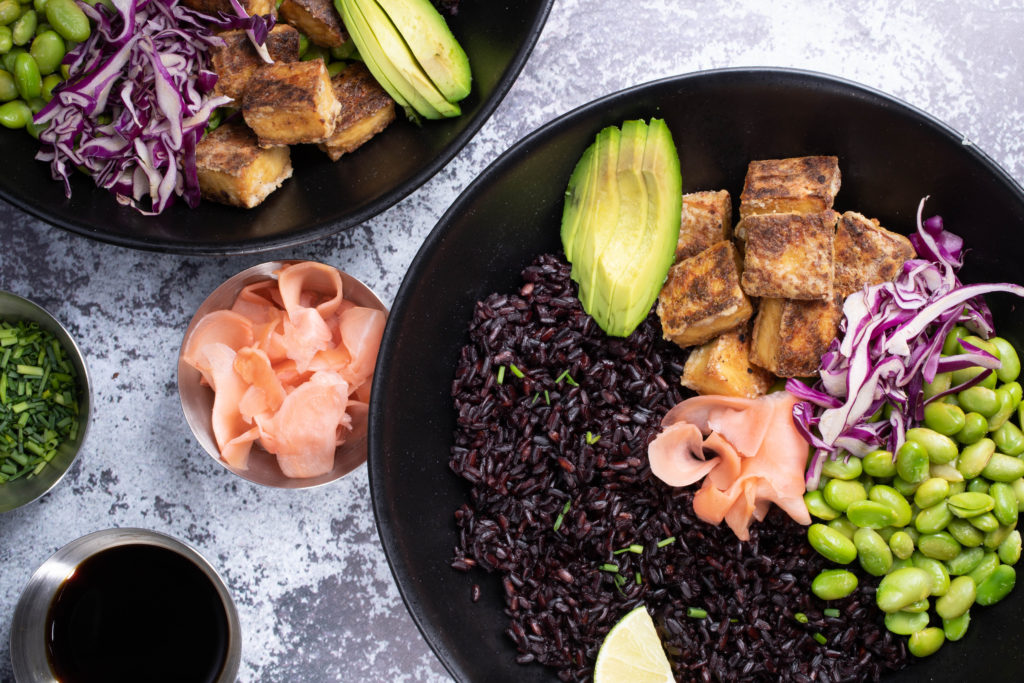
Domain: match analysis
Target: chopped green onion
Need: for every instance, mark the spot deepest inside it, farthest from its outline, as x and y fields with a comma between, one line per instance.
x=516, y=371
x=638, y=579
x=501, y=374
x=565, y=373
x=30, y=370
x=801, y=617
x=696, y=613
x=635, y=548
x=571, y=381
x=561, y=515
x=609, y=567
x=620, y=580
x=831, y=612
x=820, y=638
x=547, y=397
x=535, y=397
x=591, y=439
x=666, y=541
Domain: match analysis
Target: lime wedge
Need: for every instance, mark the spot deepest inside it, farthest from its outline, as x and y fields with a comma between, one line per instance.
x=631, y=652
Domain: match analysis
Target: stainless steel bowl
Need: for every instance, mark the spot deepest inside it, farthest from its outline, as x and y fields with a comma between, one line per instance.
x=20, y=491
x=28, y=627
x=197, y=400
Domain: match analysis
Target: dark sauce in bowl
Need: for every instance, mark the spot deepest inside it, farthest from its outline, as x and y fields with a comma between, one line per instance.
x=137, y=612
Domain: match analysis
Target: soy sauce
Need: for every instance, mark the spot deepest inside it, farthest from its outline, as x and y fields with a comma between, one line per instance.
x=137, y=613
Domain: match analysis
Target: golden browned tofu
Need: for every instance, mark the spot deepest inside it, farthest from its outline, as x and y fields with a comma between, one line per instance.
x=234, y=169
x=797, y=185
x=722, y=367
x=317, y=19
x=707, y=220
x=287, y=104
x=237, y=61
x=702, y=296
x=789, y=255
x=790, y=337
x=866, y=253
x=366, y=109
x=251, y=7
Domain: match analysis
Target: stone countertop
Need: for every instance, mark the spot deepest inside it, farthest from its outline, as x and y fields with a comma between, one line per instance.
x=314, y=593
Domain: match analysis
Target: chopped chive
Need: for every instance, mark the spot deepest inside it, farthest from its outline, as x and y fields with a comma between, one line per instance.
x=516, y=371
x=696, y=613
x=501, y=374
x=565, y=373
x=547, y=397
x=609, y=567
x=535, y=397
x=620, y=580
x=565, y=508
x=571, y=382
x=638, y=579
x=801, y=617
x=635, y=548
x=666, y=541
x=820, y=638
x=591, y=439
x=561, y=515
x=29, y=370
x=832, y=612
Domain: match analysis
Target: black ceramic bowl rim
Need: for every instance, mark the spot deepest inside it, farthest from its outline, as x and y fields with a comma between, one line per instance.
x=319, y=227
x=386, y=527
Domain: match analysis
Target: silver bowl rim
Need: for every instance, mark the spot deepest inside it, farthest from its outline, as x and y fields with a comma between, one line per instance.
x=28, y=653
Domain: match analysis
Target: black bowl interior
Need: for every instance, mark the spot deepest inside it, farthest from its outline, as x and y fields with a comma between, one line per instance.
x=323, y=196
x=890, y=156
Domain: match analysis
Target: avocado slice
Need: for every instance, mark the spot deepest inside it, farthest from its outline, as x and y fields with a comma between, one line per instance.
x=432, y=43
x=577, y=194
x=388, y=58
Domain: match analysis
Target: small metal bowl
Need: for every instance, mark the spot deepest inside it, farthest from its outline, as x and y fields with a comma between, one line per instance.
x=28, y=627
x=197, y=400
x=20, y=491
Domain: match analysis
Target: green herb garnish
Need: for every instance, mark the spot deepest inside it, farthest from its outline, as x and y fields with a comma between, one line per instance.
x=666, y=541
x=501, y=374
x=591, y=439
x=831, y=612
x=516, y=371
x=696, y=613
x=561, y=515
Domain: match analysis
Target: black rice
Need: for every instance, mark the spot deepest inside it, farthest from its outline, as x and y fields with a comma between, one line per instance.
x=554, y=419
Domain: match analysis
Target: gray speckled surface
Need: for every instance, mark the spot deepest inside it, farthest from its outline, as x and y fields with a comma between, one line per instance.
x=315, y=596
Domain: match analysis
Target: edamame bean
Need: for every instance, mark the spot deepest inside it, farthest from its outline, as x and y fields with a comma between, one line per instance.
x=993, y=539
x=997, y=586
x=985, y=568
x=936, y=571
x=941, y=449
x=965, y=533
x=975, y=427
x=942, y=382
x=979, y=399
x=989, y=380
x=816, y=505
x=921, y=606
x=912, y=462
x=1009, y=549
x=985, y=345
x=303, y=44
x=1004, y=503
x=39, y=6
x=839, y=493
x=947, y=471
x=9, y=11
x=831, y=544
x=8, y=59
x=887, y=495
x=1009, y=439
x=6, y=39
x=843, y=526
x=958, y=599
x=8, y=91
x=49, y=83
x=15, y=114
x=68, y=20
x=1000, y=467
x=955, y=629
x=966, y=562
x=974, y=457
x=951, y=344
x=842, y=468
x=335, y=68
x=901, y=544
x=986, y=522
x=868, y=513
x=886, y=532
x=926, y=641
x=316, y=52
x=903, y=587
x=905, y=487
x=1016, y=392
x=931, y=492
x=906, y=623
x=48, y=50
x=934, y=519
x=879, y=464
x=1018, y=490
x=834, y=584
x=978, y=485
x=34, y=129
x=956, y=487
x=872, y=551
x=1009, y=368
x=938, y=546
x=30, y=82
x=24, y=28
x=944, y=418
x=1006, y=407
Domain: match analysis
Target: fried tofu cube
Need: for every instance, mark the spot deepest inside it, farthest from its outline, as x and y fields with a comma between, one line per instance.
x=707, y=220
x=722, y=367
x=287, y=104
x=797, y=185
x=317, y=19
x=789, y=255
x=866, y=253
x=236, y=61
x=251, y=7
x=702, y=296
x=366, y=109
x=234, y=169
x=790, y=336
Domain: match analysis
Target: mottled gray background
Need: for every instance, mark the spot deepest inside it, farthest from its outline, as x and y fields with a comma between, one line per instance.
x=315, y=596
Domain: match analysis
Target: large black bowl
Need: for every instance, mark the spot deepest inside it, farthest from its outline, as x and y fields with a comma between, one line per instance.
x=890, y=156
x=322, y=197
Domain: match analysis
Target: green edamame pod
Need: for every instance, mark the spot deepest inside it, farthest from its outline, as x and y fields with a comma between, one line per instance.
x=831, y=544
x=906, y=623
x=843, y=526
x=29, y=81
x=879, y=464
x=9, y=11
x=869, y=514
x=997, y=586
x=24, y=28
x=816, y=505
x=1004, y=503
x=985, y=568
x=8, y=91
x=965, y=533
x=975, y=427
x=68, y=20
x=951, y=344
x=1005, y=410
x=955, y=629
x=834, y=584
x=941, y=449
x=942, y=382
x=903, y=587
x=1000, y=467
x=912, y=462
x=931, y=492
x=1009, y=439
x=1009, y=549
x=926, y=641
x=841, y=468
x=901, y=544
x=937, y=572
x=944, y=418
x=974, y=457
x=1009, y=368
x=966, y=562
x=872, y=551
x=958, y=599
x=839, y=493
x=933, y=519
x=938, y=546
x=15, y=114
x=887, y=495
x=48, y=51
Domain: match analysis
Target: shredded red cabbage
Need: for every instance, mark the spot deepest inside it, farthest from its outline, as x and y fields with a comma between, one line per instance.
x=890, y=345
x=137, y=100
